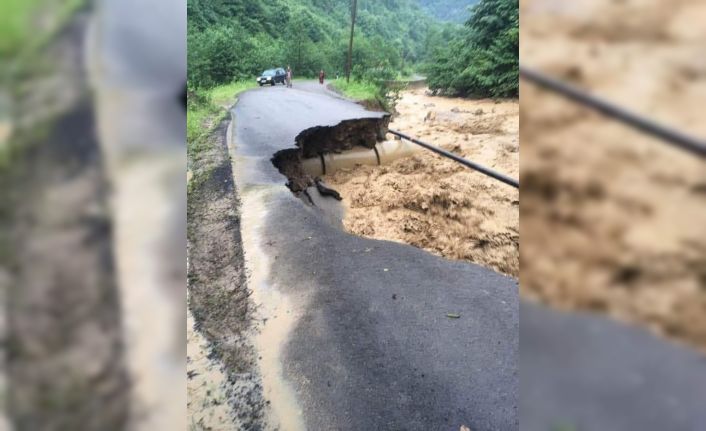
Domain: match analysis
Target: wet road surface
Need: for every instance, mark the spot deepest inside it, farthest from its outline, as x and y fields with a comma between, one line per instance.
x=361, y=328
x=365, y=341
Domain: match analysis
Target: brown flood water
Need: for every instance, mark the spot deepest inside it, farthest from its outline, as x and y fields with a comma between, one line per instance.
x=434, y=203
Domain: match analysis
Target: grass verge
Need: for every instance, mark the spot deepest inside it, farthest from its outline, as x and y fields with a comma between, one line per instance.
x=206, y=109
x=357, y=90
x=19, y=36
x=375, y=96
x=224, y=95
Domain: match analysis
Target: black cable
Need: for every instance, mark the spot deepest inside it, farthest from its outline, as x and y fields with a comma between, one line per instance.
x=377, y=154
x=669, y=135
x=323, y=163
x=482, y=169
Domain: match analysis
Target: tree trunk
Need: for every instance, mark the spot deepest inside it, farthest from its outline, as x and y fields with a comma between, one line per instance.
x=350, y=44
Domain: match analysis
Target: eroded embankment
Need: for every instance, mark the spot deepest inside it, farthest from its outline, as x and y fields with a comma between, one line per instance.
x=435, y=203
x=218, y=293
x=320, y=140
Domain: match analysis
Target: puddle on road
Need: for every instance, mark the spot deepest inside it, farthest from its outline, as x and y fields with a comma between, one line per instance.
x=276, y=317
x=274, y=312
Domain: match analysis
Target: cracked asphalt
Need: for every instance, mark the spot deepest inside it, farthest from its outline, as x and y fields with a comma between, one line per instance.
x=373, y=347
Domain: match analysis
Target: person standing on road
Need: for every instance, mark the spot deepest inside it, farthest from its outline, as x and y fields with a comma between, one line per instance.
x=322, y=75
x=289, y=77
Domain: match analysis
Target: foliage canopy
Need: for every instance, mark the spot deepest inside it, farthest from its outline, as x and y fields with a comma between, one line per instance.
x=232, y=40
x=483, y=59
x=237, y=39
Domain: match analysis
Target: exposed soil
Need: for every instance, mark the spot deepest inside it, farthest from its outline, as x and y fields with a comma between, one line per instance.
x=219, y=298
x=207, y=396
x=312, y=142
x=64, y=339
x=613, y=221
x=434, y=203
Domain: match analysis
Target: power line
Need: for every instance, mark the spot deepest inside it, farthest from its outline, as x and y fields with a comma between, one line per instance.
x=473, y=165
x=646, y=125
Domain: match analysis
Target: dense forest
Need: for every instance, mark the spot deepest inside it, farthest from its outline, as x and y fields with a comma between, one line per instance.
x=482, y=59
x=237, y=39
x=457, y=11
x=233, y=40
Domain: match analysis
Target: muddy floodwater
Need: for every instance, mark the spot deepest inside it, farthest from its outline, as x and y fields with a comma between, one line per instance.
x=435, y=203
x=612, y=219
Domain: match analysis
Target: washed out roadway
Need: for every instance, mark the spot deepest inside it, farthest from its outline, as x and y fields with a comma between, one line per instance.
x=369, y=345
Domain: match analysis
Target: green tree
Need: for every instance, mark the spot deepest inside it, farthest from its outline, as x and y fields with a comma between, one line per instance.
x=237, y=39
x=484, y=59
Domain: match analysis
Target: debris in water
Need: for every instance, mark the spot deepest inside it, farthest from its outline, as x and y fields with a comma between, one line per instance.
x=434, y=203
x=453, y=315
x=326, y=191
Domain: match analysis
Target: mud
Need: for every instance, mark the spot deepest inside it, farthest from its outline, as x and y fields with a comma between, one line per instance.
x=207, y=397
x=434, y=203
x=219, y=298
x=613, y=221
x=276, y=316
x=65, y=356
x=63, y=349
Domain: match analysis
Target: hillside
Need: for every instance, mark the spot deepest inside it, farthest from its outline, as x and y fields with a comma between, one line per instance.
x=483, y=59
x=236, y=39
x=449, y=10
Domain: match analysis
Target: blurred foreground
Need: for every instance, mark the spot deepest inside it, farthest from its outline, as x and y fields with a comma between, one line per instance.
x=613, y=221
x=92, y=219
x=625, y=213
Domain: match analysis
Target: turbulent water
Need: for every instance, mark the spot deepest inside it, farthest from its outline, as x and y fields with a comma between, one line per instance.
x=434, y=203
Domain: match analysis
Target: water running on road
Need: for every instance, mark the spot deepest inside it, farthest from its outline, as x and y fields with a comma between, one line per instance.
x=275, y=314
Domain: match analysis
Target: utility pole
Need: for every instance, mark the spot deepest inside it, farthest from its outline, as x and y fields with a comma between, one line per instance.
x=350, y=44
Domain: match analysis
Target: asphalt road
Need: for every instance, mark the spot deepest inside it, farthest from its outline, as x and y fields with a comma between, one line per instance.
x=372, y=347
x=586, y=373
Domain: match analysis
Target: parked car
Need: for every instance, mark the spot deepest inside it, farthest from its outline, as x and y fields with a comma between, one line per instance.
x=272, y=77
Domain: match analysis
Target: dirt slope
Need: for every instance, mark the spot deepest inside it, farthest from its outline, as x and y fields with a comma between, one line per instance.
x=434, y=203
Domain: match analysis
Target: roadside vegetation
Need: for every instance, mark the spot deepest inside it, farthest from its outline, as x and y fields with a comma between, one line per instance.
x=21, y=60
x=19, y=35
x=206, y=109
x=13, y=24
x=373, y=93
x=232, y=41
x=357, y=90
x=235, y=40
